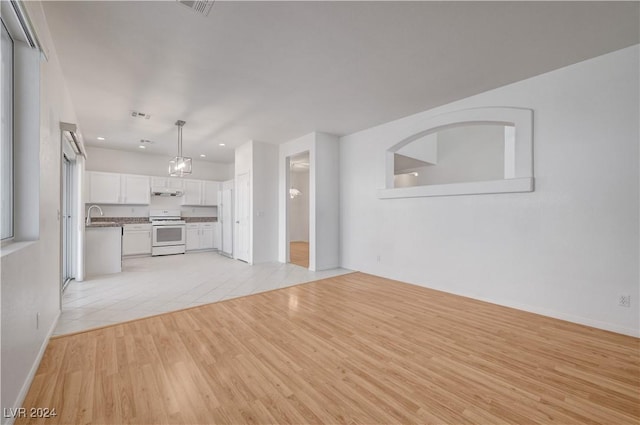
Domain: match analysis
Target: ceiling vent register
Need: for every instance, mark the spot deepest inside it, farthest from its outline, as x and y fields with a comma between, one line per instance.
x=137, y=114
x=202, y=7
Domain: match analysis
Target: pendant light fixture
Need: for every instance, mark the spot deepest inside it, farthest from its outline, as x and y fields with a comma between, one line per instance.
x=293, y=192
x=180, y=166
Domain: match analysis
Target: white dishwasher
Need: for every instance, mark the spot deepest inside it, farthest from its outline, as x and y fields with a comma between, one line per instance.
x=136, y=239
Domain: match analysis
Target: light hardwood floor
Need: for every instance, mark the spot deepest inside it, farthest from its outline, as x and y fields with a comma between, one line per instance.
x=349, y=349
x=299, y=254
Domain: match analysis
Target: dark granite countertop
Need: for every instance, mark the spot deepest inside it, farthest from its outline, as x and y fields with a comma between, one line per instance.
x=120, y=220
x=200, y=219
x=102, y=225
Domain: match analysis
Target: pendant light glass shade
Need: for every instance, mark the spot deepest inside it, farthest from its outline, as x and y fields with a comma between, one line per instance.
x=180, y=166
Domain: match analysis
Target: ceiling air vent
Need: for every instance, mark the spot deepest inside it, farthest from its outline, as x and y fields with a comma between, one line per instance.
x=137, y=114
x=200, y=6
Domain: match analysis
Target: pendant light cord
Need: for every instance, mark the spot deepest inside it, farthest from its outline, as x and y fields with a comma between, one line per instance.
x=180, y=123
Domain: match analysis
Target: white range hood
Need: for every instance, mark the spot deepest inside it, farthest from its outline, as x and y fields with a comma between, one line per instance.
x=165, y=191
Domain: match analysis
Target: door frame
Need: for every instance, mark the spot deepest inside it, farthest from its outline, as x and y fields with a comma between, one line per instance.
x=225, y=214
x=240, y=180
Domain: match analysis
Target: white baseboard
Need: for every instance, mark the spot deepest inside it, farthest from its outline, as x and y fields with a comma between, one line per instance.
x=607, y=326
x=612, y=327
x=32, y=373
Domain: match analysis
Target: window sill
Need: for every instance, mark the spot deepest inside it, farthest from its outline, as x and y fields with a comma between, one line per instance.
x=13, y=247
x=524, y=184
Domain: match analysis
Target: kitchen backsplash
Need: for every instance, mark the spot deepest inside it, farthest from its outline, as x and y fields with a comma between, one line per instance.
x=157, y=203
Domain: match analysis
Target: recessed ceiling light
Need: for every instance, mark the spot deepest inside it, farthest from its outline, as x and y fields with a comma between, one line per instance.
x=142, y=147
x=222, y=144
x=203, y=155
x=100, y=138
x=415, y=174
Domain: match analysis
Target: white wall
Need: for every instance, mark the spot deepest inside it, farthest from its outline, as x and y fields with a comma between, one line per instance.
x=299, y=207
x=265, y=202
x=567, y=250
x=28, y=290
x=116, y=161
x=260, y=161
x=327, y=169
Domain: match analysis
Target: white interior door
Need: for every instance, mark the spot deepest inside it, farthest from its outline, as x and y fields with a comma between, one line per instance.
x=243, y=199
x=227, y=222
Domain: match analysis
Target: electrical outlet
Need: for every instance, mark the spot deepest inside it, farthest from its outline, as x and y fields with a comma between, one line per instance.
x=624, y=301
x=378, y=258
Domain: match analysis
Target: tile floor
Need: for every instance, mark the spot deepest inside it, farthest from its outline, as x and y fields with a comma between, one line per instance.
x=152, y=285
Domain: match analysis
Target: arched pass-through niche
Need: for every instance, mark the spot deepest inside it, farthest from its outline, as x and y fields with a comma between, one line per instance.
x=467, y=152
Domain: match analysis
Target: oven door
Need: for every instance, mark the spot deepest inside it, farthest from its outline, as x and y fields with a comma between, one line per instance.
x=169, y=235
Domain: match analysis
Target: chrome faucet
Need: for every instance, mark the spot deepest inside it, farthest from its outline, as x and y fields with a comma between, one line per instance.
x=89, y=213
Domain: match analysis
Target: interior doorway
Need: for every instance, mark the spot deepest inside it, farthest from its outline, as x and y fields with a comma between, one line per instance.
x=298, y=216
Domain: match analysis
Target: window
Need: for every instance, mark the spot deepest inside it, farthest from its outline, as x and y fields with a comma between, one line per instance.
x=20, y=58
x=6, y=150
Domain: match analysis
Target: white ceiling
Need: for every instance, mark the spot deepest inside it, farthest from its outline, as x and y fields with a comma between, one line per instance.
x=274, y=71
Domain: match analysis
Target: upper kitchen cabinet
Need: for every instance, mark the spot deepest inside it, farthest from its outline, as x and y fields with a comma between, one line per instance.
x=114, y=188
x=175, y=183
x=103, y=188
x=135, y=189
x=210, y=193
x=200, y=192
x=192, y=192
x=167, y=182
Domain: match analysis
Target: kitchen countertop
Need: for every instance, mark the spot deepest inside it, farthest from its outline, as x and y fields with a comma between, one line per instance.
x=200, y=219
x=102, y=224
x=120, y=220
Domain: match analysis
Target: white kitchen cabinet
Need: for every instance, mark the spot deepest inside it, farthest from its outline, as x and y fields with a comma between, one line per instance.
x=210, y=191
x=200, y=193
x=192, y=192
x=158, y=182
x=175, y=183
x=104, y=188
x=217, y=239
x=135, y=189
x=206, y=235
x=170, y=182
x=201, y=236
x=136, y=239
x=193, y=236
x=115, y=188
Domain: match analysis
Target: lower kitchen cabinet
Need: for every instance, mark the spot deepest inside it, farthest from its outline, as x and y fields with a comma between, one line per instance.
x=136, y=239
x=201, y=236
